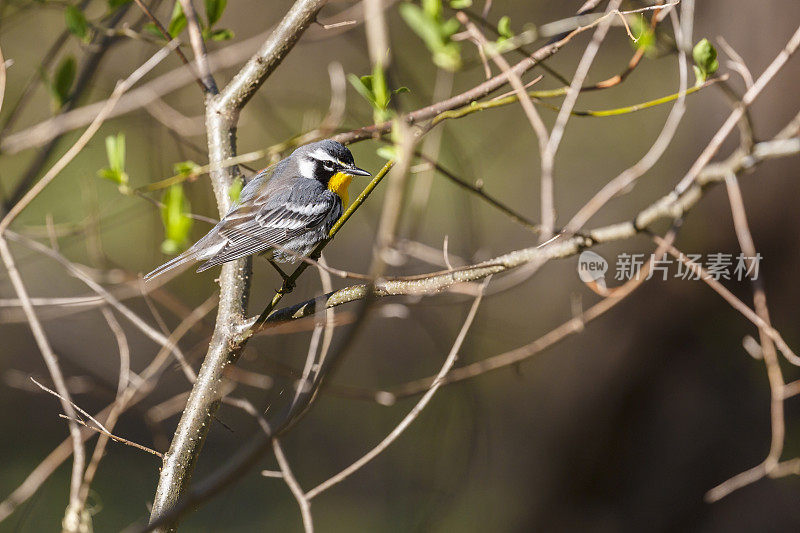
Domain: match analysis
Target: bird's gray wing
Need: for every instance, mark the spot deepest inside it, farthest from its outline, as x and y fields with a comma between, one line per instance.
x=271, y=220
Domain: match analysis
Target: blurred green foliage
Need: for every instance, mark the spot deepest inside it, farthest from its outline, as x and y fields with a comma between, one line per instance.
x=705, y=60
x=435, y=31
x=115, y=171
x=176, y=219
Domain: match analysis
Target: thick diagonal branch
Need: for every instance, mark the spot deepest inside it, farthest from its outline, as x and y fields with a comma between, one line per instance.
x=222, y=114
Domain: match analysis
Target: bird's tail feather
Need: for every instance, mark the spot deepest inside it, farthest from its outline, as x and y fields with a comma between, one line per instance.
x=189, y=255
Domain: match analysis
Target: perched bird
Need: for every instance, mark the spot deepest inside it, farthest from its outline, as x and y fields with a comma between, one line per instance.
x=283, y=211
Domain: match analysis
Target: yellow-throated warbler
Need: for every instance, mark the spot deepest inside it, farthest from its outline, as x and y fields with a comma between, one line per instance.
x=283, y=211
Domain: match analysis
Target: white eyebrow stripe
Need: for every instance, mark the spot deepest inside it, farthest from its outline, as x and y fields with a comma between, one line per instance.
x=322, y=155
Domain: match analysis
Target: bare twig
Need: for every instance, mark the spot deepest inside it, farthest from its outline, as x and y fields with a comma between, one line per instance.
x=75, y=149
x=2, y=78
x=72, y=517
x=740, y=306
x=415, y=411
x=553, y=142
x=294, y=487
x=43, y=132
x=282, y=39
x=575, y=325
x=117, y=438
x=748, y=98
x=474, y=94
x=199, y=47
x=530, y=111
x=135, y=391
x=768, y=353
x=628, y=177
x=128, y=313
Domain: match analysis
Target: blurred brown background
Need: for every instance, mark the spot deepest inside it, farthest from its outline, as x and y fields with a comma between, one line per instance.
x=623, y=427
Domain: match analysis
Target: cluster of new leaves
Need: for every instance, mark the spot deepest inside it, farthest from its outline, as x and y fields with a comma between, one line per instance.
x=175, y=209
x=79, y=26
x=60, y=83
x=436, y=32
x=177, y=23
x=375, y=91
x=705, y=61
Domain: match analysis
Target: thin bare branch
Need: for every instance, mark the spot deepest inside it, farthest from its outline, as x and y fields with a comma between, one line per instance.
x=748, y=98
x=553, y=142
x=72, y=519
x=117, y=438
x=166, y=35
x=135, y=392
x=199, y=47
x=628, y=177
x=297, y=491
x=415, y=411
x=87, y=135
x=281, y=40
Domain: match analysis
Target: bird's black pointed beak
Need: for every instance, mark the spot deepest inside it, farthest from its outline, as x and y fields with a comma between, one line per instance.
x=355, y=171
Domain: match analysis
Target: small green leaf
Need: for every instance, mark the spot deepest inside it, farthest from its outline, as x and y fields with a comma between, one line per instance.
x=235, y=190
x=425, y=27
x=705, y=60
x=214, y=10
x=460, y=4
x=177, y=21
x=645, y=36
x=432, y=8
x=221, y=35
x=374, y=90
x=111, y=175
x=76, y=22
x=387, y=152
x=448, y=28
x=153, y=30
x=176, y=219
x=367, y=82
x=186, y=168
x=363, y=86
x=427, y=23
x=116, y=4
x=62, y=81
x=448, y=57
x=504, y=27
x=115, y=152
x=379, y=88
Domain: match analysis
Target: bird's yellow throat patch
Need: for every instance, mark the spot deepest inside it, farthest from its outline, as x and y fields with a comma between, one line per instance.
x=338, y=184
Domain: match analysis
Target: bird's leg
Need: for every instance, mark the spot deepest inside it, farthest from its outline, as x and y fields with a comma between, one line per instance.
x=288, y=282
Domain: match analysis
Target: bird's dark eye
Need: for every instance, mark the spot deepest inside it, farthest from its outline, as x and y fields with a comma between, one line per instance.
x=327, y=165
